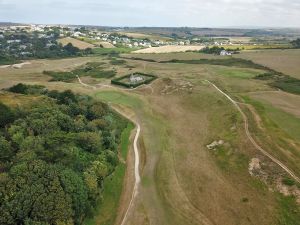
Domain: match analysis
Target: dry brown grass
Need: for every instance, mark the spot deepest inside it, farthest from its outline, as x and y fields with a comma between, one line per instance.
x=285, y=61
x=178, y=55
x=141, y=36
x=169, y=48
x=287, y=102
x=104, y=44
x=77, y=43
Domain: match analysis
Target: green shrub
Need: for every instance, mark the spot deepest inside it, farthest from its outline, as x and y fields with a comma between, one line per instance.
x=288, y=181
x=27, y=89
x=117, y=62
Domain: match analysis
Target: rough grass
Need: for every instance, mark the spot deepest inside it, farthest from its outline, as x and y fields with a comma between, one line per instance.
x=289, y=211
x=237, y=73
x=285, y=61
x=223, y=62
x=91, y=69
x=281, y=134
x=111, y=51
x=14, y=100
x=277, y=118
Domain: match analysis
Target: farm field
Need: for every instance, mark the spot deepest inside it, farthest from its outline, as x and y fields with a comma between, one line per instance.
x=170, y=56
x=104, y=44
x=75, y=42
x=285, y=61
x=182, y=180
x=143, y=35
x=169, y=48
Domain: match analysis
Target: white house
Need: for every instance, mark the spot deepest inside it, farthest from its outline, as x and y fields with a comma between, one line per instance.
x=224, y=52
x=135, y=79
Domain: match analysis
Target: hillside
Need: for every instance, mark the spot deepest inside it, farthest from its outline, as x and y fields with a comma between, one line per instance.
x=75, y=42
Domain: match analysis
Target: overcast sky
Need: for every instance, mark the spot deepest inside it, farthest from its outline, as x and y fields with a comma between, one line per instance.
x=196, y=13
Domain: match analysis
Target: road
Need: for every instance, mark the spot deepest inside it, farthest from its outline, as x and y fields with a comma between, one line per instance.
x=257, y=146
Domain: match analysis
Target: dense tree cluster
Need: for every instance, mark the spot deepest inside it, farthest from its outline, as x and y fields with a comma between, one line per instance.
x=54, y=157
x=14, y=47
x=213, y=50
x=296, y=43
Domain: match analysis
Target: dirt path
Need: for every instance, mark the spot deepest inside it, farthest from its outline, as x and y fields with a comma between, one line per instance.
x=136, y=164
x=84, y=84
x=258, y=147
x=136, y=173
x=136, y=157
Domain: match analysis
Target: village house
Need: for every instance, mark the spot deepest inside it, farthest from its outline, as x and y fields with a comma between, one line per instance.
x=134, y=79
x=224, y=53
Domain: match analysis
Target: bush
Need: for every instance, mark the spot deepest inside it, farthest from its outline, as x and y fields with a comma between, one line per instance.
x=288, y=181
x=27, y=89
x=117, y=62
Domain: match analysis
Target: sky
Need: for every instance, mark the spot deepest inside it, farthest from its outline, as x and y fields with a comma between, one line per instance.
x=164, y=13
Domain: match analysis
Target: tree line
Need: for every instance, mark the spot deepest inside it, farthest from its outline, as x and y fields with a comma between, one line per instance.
x=55, y=155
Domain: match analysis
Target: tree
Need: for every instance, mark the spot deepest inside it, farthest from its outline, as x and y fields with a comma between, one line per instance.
x=66, y=97
x=296, y=43
x=70, y=49
x=34, y=192
x=6, y=115
x=6, y=152
x=74, y=186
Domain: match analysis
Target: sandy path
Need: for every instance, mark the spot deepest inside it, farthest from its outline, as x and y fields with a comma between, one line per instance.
x=136, y=171
x=136, y=157
x=258, y=147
